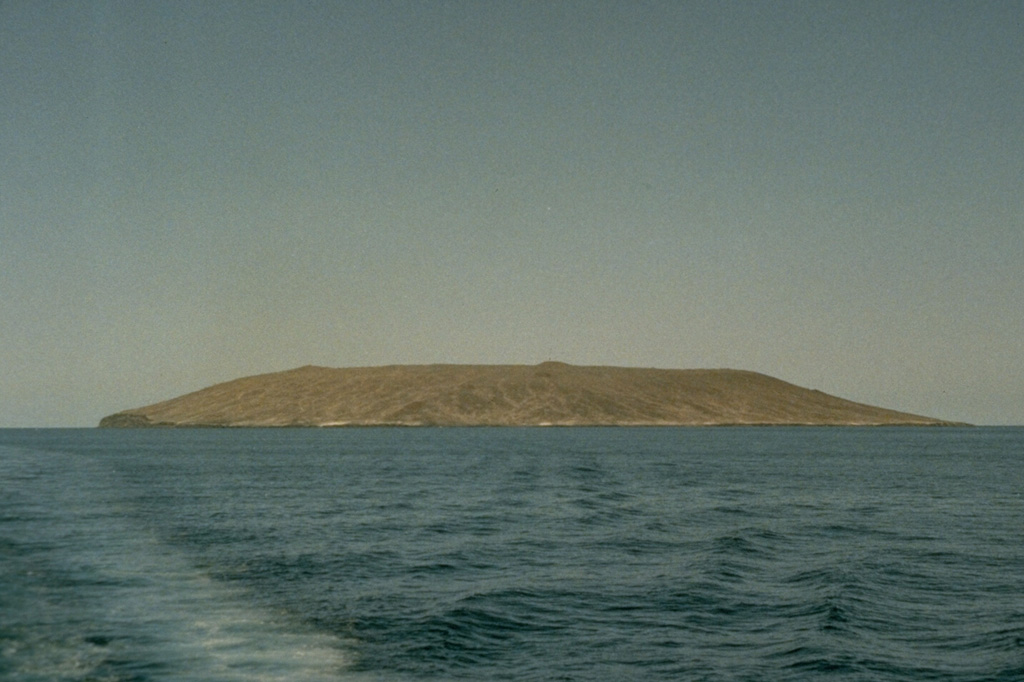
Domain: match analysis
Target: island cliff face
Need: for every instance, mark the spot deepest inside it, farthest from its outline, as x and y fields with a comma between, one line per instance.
x=551, y=393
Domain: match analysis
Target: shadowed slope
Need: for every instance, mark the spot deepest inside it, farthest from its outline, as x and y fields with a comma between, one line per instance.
x=551, y=393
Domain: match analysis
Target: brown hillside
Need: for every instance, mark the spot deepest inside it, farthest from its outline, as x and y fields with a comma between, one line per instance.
x=551, y=393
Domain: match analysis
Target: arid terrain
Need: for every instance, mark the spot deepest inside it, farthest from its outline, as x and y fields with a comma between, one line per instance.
x=551, y=393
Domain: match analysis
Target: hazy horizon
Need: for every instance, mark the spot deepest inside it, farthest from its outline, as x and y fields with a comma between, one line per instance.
x=825, y=192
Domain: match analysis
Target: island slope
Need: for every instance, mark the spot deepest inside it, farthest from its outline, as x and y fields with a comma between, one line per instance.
x=551, y=393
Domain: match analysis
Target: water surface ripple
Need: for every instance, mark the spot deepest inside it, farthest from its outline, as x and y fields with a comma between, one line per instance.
x=882, y=554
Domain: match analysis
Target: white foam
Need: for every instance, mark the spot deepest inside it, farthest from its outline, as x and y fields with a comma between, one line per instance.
x=130, y=602
x=206, y=630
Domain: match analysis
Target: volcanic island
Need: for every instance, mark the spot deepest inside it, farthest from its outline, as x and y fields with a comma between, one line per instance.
x=548, y=394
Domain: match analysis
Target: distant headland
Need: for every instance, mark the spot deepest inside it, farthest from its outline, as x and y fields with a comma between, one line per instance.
x=548, y=394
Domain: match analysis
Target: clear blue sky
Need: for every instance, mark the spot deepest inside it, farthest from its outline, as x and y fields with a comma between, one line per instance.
x=826, y=192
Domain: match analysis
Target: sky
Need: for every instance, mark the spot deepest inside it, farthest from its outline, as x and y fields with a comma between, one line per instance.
x=826, y=192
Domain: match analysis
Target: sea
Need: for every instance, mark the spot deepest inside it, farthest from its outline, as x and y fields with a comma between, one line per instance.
x=616, y=553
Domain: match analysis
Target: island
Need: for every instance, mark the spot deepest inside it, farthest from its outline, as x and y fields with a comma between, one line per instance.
x=548, y=394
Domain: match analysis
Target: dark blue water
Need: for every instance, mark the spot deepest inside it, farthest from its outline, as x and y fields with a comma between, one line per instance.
x=512, y=554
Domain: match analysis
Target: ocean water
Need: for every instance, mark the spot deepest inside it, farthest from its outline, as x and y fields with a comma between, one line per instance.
x=512, y=554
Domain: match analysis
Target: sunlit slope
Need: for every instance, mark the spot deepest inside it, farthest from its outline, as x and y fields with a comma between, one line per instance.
x=505, y=395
